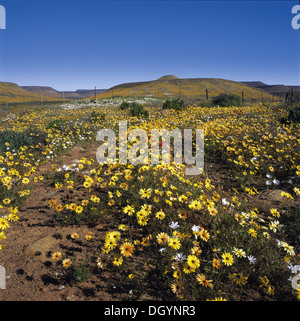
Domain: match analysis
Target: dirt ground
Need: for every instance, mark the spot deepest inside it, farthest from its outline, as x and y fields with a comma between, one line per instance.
x=31, y=274
x=30, y=271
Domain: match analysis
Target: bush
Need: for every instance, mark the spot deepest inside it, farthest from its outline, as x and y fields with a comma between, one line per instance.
x=293, y=98
x=227, y=100
x=138, y=110
x=17, y=139
x=97, y=117
x=205, y=103
x=176, y=103
x=124, y=105
x=294, y=115
x=55, y=124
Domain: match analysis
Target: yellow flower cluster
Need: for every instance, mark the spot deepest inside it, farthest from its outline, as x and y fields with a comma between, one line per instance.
x=207, y=237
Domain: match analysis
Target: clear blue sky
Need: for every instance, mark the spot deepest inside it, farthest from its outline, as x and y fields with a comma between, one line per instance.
x=71, y=45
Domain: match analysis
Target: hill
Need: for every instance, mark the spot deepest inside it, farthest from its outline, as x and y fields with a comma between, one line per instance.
x=189, y=88
x=69, y=95
x=12, y=93
x=43, y=90
x=89, y=93
x=168, y=77
x=278, y=90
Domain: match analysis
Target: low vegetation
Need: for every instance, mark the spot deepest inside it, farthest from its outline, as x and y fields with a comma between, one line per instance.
x=151, y=228
x=175, y=103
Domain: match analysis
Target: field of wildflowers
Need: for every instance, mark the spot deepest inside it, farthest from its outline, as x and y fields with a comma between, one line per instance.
x=216, y=236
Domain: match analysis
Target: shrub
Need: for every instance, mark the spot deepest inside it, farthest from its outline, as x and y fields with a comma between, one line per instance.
x=97, y=117
x=293, y=98
x=176, y=103
x=294, y=115
x=55, y=124
x=227, y=100
x=77, y=272
x=137, y=110
x=124, y=105
x=18, y=139
x=205, y=103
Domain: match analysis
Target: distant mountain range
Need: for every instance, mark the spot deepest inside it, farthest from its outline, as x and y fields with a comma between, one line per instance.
x=190, y=88
x=165, y=87
x=68, y=95
x=277, y=90
x=12, y=93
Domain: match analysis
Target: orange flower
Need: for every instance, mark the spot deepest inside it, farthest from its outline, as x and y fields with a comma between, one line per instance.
x=127, y=249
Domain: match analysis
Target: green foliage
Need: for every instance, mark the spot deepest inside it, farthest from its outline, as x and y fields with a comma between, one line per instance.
x=136, y=110
x=294, y=115
x=77, y=272
x=293, y=98
x=227, y=100
x=125, y=105
x=55, y=124
x=139, y=111
x=18, y=139
x=205, y=103
x=291, y=225
x=176, y=103
x=89, y=215
x=97, y=117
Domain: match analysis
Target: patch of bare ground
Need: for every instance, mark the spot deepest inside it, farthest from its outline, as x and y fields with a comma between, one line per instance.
x=32, y=274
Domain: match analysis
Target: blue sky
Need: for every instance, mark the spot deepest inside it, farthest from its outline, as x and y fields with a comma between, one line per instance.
x=71, y=45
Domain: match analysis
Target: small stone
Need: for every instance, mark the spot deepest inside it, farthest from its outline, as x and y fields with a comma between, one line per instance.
x=49, y=195
x=273, y=196
x=75, y=161
x=41, y=246
x=77, y=149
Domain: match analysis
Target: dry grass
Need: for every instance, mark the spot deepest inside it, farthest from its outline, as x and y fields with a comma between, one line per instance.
x=12, y=93
x=191, y=88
